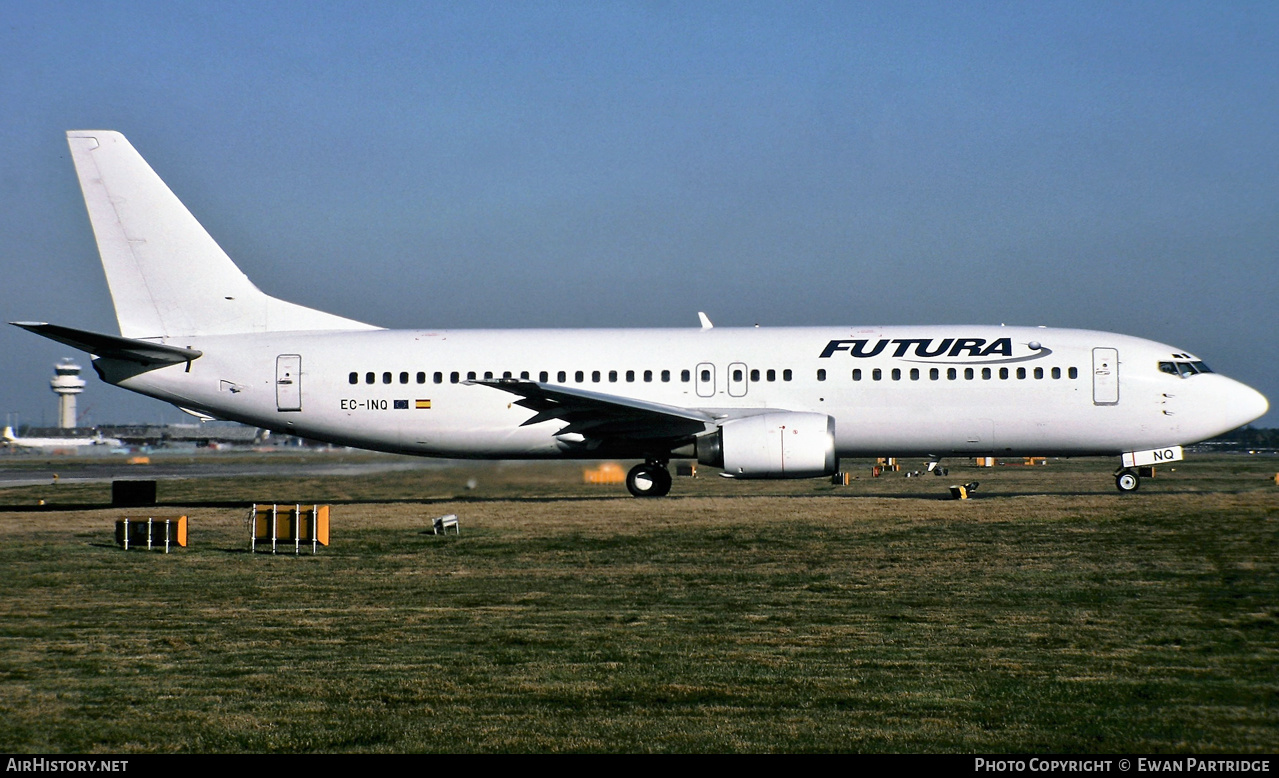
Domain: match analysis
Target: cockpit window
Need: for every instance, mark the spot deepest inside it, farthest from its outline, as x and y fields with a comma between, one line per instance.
x=1184, y=369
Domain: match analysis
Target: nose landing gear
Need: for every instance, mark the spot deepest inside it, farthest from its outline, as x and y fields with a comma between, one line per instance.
x=650, y=479
x=1127, y=480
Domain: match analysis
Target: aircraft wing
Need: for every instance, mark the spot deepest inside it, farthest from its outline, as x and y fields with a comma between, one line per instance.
x=143, y=352
x=599, y=415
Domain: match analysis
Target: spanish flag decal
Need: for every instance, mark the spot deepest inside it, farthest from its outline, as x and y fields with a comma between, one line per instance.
x=423, y=404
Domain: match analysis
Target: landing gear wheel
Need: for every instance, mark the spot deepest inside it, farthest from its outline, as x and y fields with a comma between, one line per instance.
x=1127, y=481
x=649, y=480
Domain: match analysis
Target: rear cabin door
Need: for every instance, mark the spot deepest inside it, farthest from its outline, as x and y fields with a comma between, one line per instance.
x=1105, y=376
x=288, y=382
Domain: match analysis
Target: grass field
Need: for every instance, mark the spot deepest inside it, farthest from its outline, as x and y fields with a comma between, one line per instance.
x=1050, y=613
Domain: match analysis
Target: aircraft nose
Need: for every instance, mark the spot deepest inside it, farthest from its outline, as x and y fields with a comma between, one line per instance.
x=1246, y=404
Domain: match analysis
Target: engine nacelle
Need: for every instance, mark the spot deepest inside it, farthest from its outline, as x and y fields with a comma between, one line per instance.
x=772, y=445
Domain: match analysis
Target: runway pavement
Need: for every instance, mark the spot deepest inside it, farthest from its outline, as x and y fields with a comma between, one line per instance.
x=33, y=469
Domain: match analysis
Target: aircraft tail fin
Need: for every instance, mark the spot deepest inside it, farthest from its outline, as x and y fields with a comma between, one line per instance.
x=8, y=435
x=166, y=273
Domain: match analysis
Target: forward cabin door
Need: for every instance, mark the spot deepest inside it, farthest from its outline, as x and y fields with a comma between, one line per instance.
x=1105, y=376
x=288, y=382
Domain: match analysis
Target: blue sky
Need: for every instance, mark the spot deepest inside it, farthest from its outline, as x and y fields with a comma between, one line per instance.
x=1107, y=166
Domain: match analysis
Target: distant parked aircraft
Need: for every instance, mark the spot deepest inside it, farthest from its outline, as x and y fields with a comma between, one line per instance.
x=13, y=441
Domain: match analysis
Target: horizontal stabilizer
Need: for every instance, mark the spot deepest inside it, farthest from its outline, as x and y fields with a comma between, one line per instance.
x=112, y=346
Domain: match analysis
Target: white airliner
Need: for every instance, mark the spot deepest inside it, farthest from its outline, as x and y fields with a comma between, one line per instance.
x=8, y=438
x=757, y=402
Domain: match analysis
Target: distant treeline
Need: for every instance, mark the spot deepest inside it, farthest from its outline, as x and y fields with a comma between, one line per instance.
x=1245, y=438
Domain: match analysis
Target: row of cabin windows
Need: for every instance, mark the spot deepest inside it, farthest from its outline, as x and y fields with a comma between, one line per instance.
x=579, y=376
x=738, y=375
x=952, y=373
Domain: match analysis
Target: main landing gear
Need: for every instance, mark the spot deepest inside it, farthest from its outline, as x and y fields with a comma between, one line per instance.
x=1127, y=480
x=650, y=479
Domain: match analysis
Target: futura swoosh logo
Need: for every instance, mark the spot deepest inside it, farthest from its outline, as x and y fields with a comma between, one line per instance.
x=1043, y=352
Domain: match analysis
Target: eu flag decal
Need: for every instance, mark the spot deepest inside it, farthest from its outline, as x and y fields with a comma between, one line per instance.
x=401, y=405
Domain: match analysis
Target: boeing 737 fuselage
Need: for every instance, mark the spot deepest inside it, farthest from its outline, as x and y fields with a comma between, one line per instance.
x=756, y=402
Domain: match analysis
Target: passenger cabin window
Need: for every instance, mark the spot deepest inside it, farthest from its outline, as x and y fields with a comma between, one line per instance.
x=630, y=376
x=1039, y=372
x=1056, y=372
x=914, y=374
x=421, y=377
x=561, y=377
x=579, y=376
x=386, y=377
x=612, y=376
x=857, y=374
x=439, y=378
x=685, y=375
x=786, y=374
x=771, y=375
x=454, y=377
x=821, y=375
x=754, y=375
x=876, y=374
x=370, y=378
x=404, y=376
x=353, y=378
x=470, y=375
x=1073, y=372
x=897, y=374
x=666, y=376
x=648, y=376
x=595, y=376
x=934, y=374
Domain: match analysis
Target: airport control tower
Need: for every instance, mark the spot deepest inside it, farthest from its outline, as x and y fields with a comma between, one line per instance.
x=66, y=383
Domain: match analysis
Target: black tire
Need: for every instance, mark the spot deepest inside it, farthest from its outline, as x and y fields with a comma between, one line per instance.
x=648, y=480
x=1127, y=482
